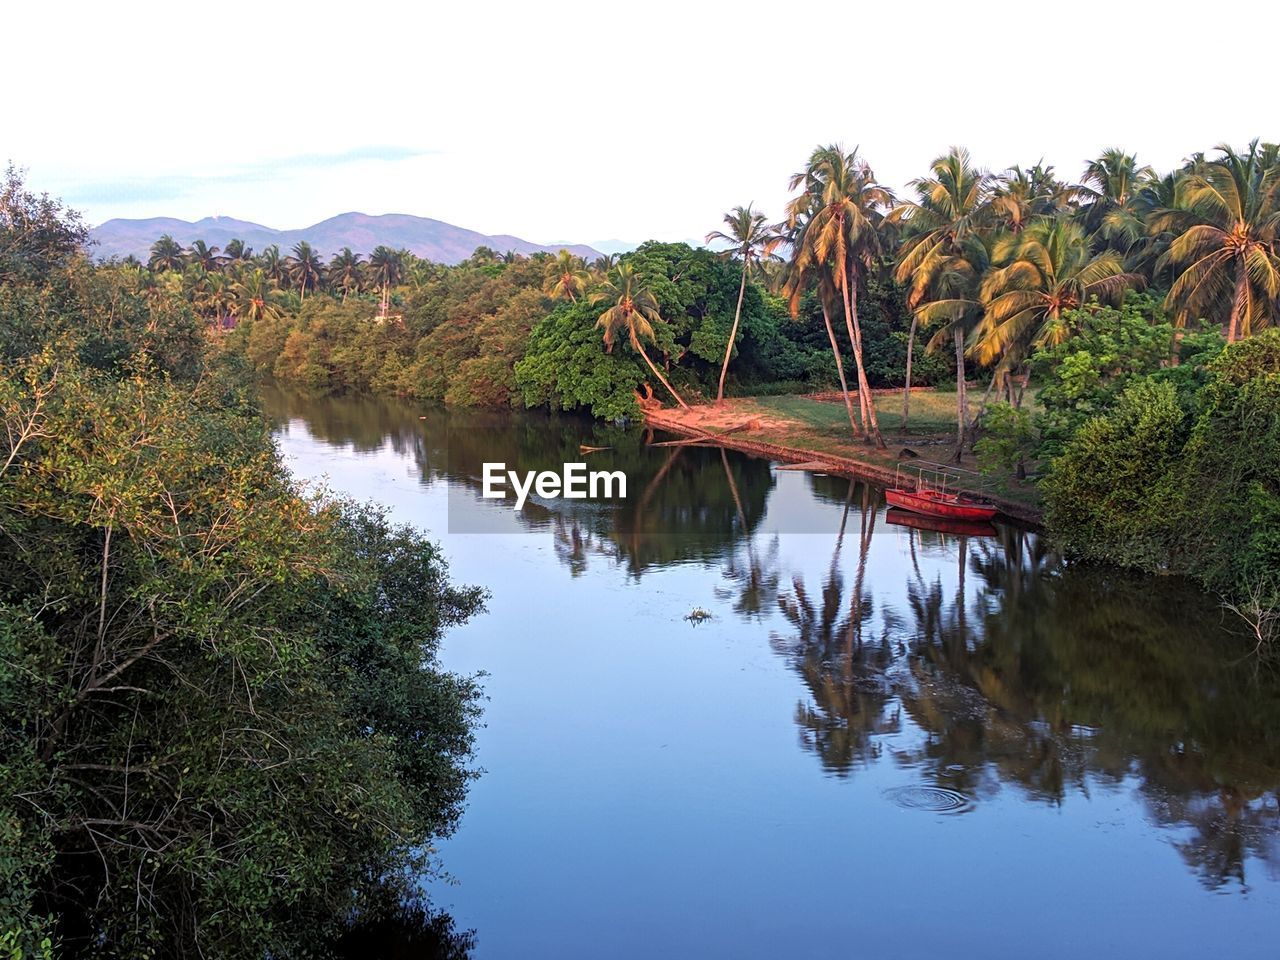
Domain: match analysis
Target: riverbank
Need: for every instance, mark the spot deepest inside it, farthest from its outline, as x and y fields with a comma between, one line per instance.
x=815, y=430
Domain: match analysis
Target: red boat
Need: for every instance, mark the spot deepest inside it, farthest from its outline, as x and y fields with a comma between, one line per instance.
x=931, y=497
x=957, y=528
x=933, y=503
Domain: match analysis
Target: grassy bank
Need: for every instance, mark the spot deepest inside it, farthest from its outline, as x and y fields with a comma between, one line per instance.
x=816, y=428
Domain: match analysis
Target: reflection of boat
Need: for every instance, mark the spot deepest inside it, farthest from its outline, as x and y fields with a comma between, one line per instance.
x=958, y=528
x=932, y=497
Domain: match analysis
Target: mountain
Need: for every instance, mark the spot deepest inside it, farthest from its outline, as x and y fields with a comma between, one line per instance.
x=433, y=239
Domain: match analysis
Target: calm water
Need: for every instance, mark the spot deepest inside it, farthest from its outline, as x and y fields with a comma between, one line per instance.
x=886, y=741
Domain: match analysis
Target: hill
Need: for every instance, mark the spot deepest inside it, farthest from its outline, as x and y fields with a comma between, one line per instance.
x=433, y=239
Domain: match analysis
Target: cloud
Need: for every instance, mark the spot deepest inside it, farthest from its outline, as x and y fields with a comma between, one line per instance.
x=174, y=187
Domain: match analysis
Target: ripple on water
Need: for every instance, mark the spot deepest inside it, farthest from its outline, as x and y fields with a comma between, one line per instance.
x=932, y=799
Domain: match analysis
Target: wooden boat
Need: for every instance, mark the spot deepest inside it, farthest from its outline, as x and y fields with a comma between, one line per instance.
x=957, y=528
x=935, y=496
x=934, y=503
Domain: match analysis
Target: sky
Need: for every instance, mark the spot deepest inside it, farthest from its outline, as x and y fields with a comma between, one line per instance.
x=578, y=122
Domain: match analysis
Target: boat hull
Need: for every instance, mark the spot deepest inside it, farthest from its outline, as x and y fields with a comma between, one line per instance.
x=933, y=504
x=956, y=528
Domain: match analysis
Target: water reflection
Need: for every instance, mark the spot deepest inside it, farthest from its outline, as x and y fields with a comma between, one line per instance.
x=971, y=665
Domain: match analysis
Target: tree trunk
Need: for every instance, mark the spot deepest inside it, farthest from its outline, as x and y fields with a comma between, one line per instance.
x=844, y=387
x=962, y=396
x=855, y=335
x=906, y=389
x=733, y=334
x=1237, y=302
x=658, y=373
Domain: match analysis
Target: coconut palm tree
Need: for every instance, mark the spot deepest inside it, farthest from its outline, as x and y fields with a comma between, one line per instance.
x=273, y=265
x=1043, y=273
x=1110, y=186
x=794, y=279
x=842, y=232
x=166, y=254
x=1018, y=196
x=633, y=309
x=602, y=264
x=388, y=267
x=565, y=276
x=203, y=256
x=306, y=272
x=346, y=272
x=237, y=251
x=753, y=240
x=1228, y=255
x=255, y=296
x=943, y=258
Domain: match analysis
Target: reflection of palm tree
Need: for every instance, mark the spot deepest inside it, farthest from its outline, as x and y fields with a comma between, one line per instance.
x=845, y=675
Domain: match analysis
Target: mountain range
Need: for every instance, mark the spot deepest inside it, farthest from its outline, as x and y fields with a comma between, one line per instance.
x=432, y=239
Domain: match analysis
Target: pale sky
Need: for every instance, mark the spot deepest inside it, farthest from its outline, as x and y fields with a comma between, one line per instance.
x=589, y=121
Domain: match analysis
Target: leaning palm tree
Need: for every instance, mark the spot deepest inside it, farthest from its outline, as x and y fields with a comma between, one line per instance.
x=346, y=272
x=306, y=272
x=753, y=240
x=166, y=254
x=388, y=268
x=633, y=309
x=1229, y=255
x=794, y=280
x=943, y=258
x=842, y=232
x=565, y=276
x=1044, y=273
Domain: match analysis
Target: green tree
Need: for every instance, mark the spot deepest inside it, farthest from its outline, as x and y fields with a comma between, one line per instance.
x=752, y=239
x=166, y=254
x=943, y=259
x=565, y=276
x=305, y=270
x=1227, y=251
x=633, y=310
x=843, y=205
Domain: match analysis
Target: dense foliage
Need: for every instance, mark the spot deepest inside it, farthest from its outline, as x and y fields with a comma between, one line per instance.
x=223, y=729
x=1183, y=480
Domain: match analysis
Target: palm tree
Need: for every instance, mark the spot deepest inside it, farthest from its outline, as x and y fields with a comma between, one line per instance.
x=943, y=259
x=753, y=240
x=254, y=296
x=203, y=256
x=1111, y=183
x=565, y=276
x=305, y=269
x=635, y=310
x=602, y=264
x=1019, y=196
x=842, y=233
x=346, y=272
x=237, y=250
x=166, y=254
x=388, y=267
x=795, y=279
x=1229, y=253
x=1044, y=272
x=273, y=265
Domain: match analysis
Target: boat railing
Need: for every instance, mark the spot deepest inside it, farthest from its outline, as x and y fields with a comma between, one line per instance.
x=939, y=477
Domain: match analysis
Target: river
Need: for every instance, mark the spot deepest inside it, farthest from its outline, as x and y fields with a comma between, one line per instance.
x=883, y=742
